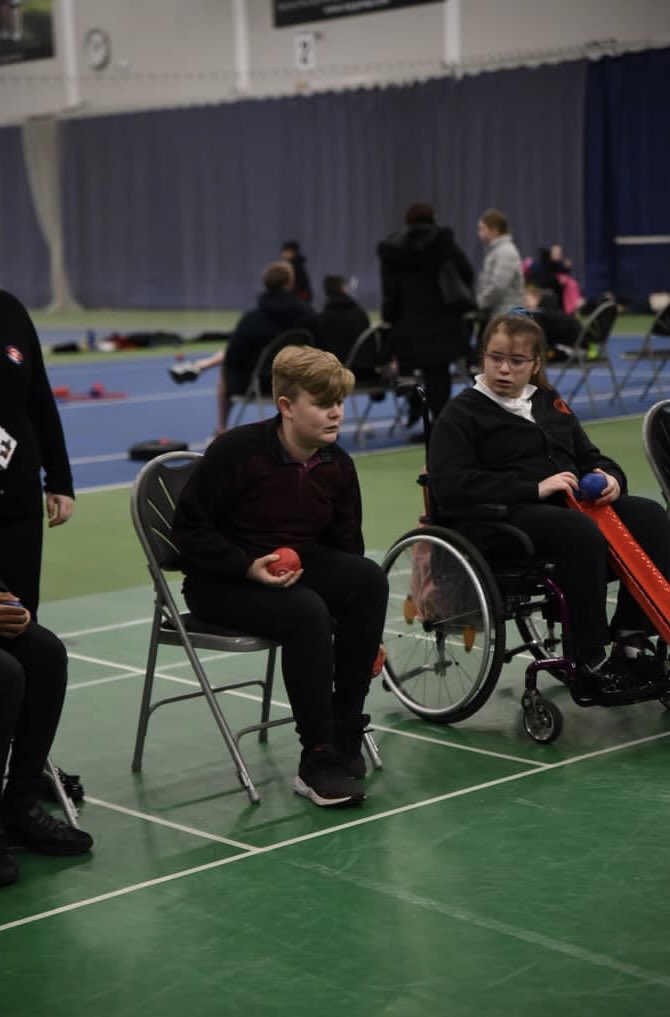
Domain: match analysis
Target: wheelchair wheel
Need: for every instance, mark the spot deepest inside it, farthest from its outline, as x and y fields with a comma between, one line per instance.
x=542, y=719
x=445, y=626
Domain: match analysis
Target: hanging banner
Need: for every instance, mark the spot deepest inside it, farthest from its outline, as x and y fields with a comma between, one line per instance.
x=26, y=30
x=298, y=12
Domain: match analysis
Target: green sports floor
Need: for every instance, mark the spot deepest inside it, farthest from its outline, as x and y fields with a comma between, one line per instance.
x=484, y=875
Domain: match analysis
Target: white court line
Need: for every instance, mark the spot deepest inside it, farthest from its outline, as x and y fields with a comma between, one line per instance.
x=170, y=824
x=535, y=939
x=290, y=842
x=455, y=745
x=105, y=628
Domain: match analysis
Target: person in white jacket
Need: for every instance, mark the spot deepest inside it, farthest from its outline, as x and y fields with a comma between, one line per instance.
x=500, y=285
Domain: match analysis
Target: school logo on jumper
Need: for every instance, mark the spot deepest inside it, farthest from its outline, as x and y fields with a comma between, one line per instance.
x=14, y=355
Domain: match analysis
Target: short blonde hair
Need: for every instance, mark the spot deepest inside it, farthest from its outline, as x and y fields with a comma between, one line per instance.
x=317, y=372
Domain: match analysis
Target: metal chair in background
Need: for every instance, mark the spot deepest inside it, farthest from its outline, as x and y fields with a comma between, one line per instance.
x=591, y=352
x=259, y=390
x=659, y=327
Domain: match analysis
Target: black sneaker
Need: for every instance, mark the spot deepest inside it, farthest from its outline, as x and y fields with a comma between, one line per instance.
x=349, y=744
x=324, y=780
x=72, y=786
x=187, y=371
x=636, y=653
x=9, y=870
x=38, y=831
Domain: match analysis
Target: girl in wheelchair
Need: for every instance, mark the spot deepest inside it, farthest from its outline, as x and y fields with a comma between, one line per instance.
x=512, y=441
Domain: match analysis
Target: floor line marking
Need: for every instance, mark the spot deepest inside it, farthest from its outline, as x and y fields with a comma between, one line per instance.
x=106, y=628
x=455, y=745
x=493, y=925
x=169, y=823
x=304, y=838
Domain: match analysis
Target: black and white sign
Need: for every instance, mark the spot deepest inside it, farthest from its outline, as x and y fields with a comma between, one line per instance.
x=7, y=448
x=299, y=12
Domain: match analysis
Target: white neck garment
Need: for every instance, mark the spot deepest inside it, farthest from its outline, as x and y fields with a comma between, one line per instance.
x=520, y=406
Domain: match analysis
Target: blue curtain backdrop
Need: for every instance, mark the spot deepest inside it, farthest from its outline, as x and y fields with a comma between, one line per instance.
x=627, y=163
x=24, y=259
x=182, y=208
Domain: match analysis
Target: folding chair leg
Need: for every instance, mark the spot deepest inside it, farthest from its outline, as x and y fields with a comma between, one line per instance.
x=267, y=693
x=66, y=803
x=145, y=708
x=372, y=751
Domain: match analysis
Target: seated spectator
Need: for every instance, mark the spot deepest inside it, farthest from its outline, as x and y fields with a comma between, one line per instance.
x=342, y=320
x=33, y=676
x=286, y=482
x=340, y=324
x=302, y=287
x=560, y=329
x=512, y=440
x=553, y=272
x=278, y=310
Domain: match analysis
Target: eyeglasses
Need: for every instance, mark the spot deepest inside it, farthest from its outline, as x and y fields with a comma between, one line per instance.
x=515, y=360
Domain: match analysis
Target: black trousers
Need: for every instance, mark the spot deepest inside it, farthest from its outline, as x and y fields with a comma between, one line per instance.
x=21, y=560
x=437, y=382
x=33, y=676
x=329, y=625
x=576, y=545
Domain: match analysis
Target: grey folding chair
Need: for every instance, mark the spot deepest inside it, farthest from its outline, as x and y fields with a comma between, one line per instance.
x=259, y=389
x=660, y=327
x=154, y=498
x=656, y=441
x=590, y=352
x=368, y=354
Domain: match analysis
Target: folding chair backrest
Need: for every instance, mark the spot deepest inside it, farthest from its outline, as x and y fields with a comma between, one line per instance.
x=598, y=327
x=370, y=349
x=262, y=372
x=656, y=441
x=155, y=495
x=661, y=323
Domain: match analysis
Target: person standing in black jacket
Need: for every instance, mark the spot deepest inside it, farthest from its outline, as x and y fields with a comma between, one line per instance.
x=31, y=441
x=427, y=334
x=513, y=441
x=302, y=287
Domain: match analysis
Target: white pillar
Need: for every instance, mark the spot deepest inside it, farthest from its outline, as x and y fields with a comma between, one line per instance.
x=241, y=45
x=453, y=36
x=70, y=56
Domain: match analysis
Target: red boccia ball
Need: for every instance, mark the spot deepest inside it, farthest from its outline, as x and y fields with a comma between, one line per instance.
x=289, y=561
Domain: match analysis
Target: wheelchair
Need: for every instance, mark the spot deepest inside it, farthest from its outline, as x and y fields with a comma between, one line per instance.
x=458, y=588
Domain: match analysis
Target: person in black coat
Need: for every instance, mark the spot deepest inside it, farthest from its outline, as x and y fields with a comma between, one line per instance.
x=302, y=287
x=278, y=310
x=33, y=676
x=427, y=333
x=342, y=320
x=31, y=441
x=511, y=440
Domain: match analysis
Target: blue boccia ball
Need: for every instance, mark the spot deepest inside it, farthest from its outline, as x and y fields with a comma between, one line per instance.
x=592, y=485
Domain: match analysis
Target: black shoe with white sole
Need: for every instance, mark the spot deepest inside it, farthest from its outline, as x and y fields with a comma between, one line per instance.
x=325, y=780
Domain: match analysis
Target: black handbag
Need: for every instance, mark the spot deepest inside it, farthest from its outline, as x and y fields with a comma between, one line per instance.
x=455, y=291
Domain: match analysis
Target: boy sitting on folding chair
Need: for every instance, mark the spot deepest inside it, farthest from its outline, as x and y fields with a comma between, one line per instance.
x=286, y=482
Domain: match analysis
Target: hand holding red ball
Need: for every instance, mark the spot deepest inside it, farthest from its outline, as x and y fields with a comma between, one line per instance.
x=289, y=561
